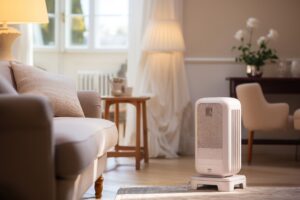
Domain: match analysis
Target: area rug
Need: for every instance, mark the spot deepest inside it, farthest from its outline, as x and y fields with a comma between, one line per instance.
x=185, y=193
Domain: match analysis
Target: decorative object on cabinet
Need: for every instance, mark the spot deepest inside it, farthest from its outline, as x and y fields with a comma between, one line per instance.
x=295, y=68
x=255, y=57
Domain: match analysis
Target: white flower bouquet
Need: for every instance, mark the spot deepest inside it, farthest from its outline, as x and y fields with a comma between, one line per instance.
x=248, y=54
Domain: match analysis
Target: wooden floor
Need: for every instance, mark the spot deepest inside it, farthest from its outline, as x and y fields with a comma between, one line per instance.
x=266, y=170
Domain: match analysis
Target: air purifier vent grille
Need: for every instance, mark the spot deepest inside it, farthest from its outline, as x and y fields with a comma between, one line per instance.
x=236, y=139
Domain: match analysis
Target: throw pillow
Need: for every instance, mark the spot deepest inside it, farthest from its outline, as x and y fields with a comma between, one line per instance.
x=60, y=90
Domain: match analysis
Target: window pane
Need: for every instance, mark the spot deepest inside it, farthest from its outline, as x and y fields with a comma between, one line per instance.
x=50, y=6
x=80, y=7
x=111, y=32
x=111, y=7
x=44, y=34
x=78, y=33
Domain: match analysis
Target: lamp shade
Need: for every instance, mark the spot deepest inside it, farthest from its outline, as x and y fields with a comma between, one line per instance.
x=23, y=11
x=163, y=35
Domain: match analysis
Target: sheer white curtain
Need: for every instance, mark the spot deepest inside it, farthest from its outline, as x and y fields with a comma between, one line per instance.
x=140, y=11
x=162, y=76
x=23, y=46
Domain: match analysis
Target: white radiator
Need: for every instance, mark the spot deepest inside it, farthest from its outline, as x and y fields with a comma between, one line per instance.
x=98, y=81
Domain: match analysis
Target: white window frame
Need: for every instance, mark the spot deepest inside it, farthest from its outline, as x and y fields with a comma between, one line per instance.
x=61, y=33
x=56, y=16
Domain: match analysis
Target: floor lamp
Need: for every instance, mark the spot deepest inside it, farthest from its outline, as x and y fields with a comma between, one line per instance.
x=18, y=12
x=163, y=36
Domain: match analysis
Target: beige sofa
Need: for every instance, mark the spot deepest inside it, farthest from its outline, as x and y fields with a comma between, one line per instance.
x=43, y=157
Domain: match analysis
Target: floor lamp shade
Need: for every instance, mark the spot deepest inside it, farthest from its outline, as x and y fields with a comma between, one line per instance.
x=23, y=11
x=18, y=12
x=163, y=36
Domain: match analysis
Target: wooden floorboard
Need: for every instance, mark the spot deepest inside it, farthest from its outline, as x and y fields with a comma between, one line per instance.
x=267, y=169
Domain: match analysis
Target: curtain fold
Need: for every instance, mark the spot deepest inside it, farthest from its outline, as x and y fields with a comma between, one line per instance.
x=140, y=11
x=163, y=76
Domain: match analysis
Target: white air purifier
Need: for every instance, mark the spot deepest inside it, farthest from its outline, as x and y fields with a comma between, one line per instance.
x=218, y=143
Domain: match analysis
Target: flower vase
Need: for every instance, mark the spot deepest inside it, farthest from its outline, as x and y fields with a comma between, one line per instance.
x=254, y=71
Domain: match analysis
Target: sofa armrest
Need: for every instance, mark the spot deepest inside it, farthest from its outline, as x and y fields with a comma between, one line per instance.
x=26, y=148
x=24, y=112
x=91, y=103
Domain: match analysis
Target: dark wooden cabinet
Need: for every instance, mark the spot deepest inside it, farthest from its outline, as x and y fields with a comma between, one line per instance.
x=270, y=85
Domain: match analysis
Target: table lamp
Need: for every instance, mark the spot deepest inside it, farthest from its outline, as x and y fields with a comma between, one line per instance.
x=163, y=36
x=18, y=12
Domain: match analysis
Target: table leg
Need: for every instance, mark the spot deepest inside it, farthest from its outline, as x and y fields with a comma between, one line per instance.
x=117, y=115
x=138, y=145
x=106, y=110
x=145, y=133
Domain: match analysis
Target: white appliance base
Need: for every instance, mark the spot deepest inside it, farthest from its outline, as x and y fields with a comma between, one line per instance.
x=225, y=184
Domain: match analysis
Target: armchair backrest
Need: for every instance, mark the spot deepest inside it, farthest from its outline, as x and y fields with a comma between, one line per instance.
x=253, y=105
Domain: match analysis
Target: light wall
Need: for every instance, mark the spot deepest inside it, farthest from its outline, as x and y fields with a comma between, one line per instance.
x=209, y=26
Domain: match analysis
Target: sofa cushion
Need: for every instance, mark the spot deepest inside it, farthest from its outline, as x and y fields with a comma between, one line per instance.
x=6, y=87
x=79, y=141
x=60, y=90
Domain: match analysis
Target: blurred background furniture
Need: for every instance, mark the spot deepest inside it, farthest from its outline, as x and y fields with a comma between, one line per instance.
x=270, y=85
x=44, y=157
x=258, y=114
x=297, y=119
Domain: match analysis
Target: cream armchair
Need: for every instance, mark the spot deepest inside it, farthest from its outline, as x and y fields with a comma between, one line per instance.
x=258, y=114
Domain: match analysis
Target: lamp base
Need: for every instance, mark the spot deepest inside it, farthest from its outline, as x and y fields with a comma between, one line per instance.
x=7, y=37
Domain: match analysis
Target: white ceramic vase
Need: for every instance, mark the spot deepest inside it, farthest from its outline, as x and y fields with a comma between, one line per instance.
x=283, y=68
x=295, y=68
